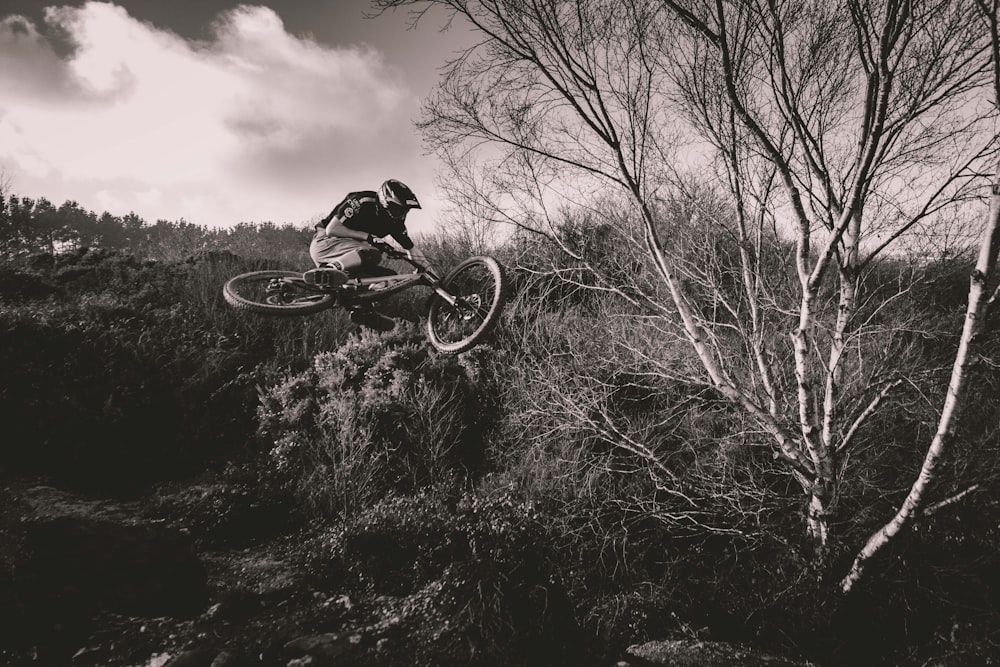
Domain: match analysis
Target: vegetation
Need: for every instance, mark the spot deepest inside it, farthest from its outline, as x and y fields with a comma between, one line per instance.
x=825, y=138
x=749, y=396
x=555, y=495
x=31, y=226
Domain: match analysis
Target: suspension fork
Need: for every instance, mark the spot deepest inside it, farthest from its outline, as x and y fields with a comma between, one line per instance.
x=435, y=284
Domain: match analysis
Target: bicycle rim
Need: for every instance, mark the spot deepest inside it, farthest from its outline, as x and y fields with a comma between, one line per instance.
x=478, y=286
x=275, y=293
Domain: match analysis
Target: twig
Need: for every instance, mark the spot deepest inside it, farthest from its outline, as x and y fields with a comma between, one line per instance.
x=931, y=509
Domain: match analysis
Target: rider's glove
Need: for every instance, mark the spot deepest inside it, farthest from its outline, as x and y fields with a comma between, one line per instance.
x=418, y=257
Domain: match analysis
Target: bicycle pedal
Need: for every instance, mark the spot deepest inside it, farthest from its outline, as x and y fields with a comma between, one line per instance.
x=325, y=277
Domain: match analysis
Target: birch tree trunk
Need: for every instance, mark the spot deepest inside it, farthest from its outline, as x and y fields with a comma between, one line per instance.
x=975, y=315
x=980, y=301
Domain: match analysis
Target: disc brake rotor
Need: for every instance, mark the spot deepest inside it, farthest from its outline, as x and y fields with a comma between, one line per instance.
x=470, y=306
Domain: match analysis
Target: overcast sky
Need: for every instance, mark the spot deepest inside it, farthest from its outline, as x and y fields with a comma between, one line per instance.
x=212, y=111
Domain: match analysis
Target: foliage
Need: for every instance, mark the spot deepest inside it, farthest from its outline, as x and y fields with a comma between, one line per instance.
x=101, y=374
x=478, y=572
x=835, y=127
x=380, y=414
x=30, y=226
x=119, y=372
x=568, y=487
x=592, y=259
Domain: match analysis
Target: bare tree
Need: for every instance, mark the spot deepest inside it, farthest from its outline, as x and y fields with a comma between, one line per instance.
x=842, y=128
x=846, y=107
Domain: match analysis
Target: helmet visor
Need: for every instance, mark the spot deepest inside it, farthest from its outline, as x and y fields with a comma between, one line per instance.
x=397, y=210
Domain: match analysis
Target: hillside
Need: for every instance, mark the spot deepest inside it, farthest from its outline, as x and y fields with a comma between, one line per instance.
x=185, y=483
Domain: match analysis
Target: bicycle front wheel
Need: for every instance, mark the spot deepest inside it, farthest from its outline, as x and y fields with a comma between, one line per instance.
x=275, y=293
x=478, y=285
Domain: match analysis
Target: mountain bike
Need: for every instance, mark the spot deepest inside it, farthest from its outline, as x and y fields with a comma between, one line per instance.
x=463, y=309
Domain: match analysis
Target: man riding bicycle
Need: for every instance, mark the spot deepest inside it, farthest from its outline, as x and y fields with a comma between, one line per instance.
x=343, y=243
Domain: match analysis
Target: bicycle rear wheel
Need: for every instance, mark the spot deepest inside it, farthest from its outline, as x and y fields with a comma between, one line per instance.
x=478, y=285
x=275, y=293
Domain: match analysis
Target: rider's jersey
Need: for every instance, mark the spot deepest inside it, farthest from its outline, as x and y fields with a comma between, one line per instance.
x=362, y=212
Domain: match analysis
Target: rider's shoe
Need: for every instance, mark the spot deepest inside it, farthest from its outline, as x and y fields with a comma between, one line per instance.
x=325, y=276
x=368, y=317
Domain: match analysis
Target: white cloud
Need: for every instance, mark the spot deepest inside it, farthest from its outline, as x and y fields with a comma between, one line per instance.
x=255, y=124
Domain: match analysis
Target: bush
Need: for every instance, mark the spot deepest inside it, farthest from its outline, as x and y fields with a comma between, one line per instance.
x=118, y=373
x=382, y=413
x=475, y=577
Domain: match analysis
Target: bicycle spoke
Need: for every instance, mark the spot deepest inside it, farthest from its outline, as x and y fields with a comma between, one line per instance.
x=477, y=288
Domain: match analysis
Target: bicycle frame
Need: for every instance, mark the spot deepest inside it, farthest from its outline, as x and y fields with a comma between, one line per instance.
x=359, y=288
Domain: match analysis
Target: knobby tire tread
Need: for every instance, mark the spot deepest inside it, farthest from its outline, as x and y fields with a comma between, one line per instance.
x=231, y=293
x=492, y=317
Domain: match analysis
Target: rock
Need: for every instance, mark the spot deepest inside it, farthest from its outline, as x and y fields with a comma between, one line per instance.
x=340, y=603
x=692, y=653
x=228, y=659
x=325, y=649
x=157, y=660
x=235, y=605
x=201, y=657
x=214, y=613
x=88, y=655
x=45, y=502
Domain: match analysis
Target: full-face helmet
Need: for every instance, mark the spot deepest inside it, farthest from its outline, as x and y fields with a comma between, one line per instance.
x=397, y=198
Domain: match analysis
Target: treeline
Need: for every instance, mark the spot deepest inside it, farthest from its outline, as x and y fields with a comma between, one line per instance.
x=30, y=226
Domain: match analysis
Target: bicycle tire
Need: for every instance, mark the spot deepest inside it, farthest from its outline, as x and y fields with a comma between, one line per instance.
x=249, y=292
x=480, y=286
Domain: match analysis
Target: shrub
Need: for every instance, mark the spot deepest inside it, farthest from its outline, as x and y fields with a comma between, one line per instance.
x=475, y=577
x=382, y=413
x=117, y=374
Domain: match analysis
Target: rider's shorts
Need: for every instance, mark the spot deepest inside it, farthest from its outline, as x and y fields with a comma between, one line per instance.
x=326, y=248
